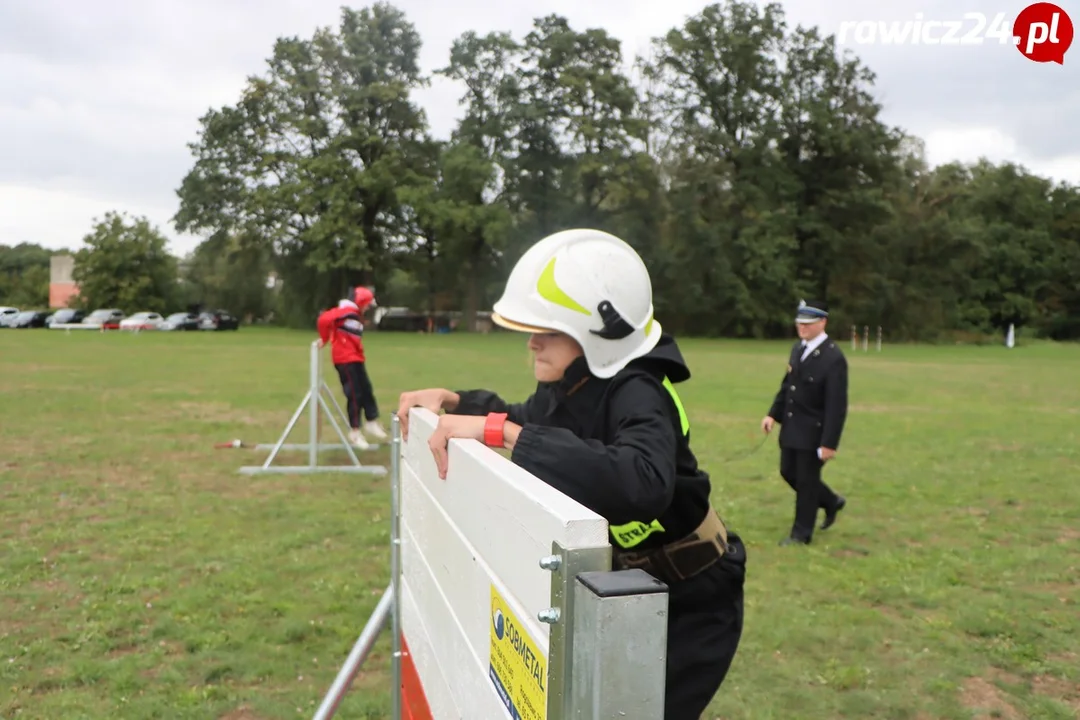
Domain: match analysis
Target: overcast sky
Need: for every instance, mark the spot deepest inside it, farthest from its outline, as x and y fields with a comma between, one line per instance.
x=98, y=100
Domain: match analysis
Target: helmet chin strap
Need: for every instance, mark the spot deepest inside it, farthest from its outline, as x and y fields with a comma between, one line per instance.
x=615, y=325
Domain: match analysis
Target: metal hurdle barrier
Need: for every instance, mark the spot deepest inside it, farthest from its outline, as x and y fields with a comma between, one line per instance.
x=502, y=601
x=315, y=399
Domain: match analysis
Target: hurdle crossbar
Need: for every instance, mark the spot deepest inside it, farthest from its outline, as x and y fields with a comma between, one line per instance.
x=480, y=631
x=313, y=401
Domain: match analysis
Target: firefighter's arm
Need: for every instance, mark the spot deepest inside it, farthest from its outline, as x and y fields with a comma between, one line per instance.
x=632, y=478
x=482, y=402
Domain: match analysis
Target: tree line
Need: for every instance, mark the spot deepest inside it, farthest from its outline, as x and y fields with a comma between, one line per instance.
x=745, y=160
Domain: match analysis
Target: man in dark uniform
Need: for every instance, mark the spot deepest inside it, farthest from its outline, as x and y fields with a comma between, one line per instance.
x=811, y=408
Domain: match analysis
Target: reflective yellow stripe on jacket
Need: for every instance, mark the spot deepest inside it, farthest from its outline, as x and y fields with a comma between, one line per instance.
x=634, y=533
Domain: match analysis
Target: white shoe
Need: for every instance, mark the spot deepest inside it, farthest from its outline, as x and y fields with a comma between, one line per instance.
x=373, y=429
x=357, y=439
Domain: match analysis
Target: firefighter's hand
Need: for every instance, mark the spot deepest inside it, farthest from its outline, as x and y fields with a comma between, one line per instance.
x=470, y=427
x=433, y=399
x=767, y=423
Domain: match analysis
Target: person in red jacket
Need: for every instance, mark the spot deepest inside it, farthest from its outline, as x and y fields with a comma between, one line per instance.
x=343, y=328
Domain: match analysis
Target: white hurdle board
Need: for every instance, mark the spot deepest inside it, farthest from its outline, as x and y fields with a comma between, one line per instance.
x=478, y=533
x=503, y=601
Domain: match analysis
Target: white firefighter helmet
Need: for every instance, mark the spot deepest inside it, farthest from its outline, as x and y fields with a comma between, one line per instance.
x=589, y=285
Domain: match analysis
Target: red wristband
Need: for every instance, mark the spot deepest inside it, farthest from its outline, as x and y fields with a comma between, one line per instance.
x=493, y=430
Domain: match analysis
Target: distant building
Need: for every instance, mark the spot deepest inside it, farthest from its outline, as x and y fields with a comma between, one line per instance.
x=62, y=288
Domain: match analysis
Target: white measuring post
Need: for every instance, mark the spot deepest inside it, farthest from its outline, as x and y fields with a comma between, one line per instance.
x=879, y=338
x=313, y=401
x=854, y=338
x=504, y=601
x=865, y=337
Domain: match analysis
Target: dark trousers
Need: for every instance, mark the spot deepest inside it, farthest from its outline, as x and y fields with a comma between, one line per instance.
x=359, y=395
x=802, y=471
x=705, y=621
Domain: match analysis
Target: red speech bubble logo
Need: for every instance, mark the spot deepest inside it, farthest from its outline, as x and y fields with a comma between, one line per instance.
x=1043, y=32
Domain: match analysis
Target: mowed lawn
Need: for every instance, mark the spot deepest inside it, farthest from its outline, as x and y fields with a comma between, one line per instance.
x=141, y=576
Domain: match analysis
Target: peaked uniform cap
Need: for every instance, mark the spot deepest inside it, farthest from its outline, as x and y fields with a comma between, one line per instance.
x=811, y=311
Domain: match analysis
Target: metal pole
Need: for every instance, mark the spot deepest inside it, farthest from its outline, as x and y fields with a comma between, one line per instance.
x=313, y=409
x=288, y=429
x=395, y=564
x=865, y=337
x=879, y=338
x=341, y=413
x=359, y=654
x=341, y=434
x=620, y=646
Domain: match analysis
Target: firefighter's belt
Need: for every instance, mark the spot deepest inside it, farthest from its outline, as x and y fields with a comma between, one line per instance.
x=683, y=558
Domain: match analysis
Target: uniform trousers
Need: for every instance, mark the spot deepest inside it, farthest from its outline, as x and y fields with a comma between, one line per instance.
x=705, y=621
x=359, y=395
x=801, y=469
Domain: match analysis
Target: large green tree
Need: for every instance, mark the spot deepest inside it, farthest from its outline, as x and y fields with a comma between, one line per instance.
x=126, y=264
x=24, y=276
x=745, y=159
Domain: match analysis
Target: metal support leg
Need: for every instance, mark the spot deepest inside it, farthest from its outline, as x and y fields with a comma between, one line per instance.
x=313, y=415
x=288, y=429
x=395, y=564
x=356, y=658
x=314, y=402
x=337, y=406
x=389, y=606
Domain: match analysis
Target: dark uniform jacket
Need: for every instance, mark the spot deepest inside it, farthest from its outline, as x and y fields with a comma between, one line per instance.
x=620, y=446
x=812, y=402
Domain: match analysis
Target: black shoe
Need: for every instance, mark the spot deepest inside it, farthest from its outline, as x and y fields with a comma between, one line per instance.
x=793, y=541
x=830, y=515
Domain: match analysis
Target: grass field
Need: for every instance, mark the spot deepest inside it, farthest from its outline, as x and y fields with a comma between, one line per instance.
x=142, y=577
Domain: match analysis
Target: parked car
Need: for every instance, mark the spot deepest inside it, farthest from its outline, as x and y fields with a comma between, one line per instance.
x=29, y=319
x=218, y=320
x=65, y=316
x=142, y=321
x=181, y=321
x=108, y=318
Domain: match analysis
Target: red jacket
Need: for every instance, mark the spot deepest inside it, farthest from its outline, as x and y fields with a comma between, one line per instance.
x=343, y=328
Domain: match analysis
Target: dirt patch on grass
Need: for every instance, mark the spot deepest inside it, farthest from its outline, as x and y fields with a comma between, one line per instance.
x=241, y=713
x=985, y=699
x=849, y=552
x=1060, y=689
x=999, y=447
x=890, y=612
x=1069, y=535
x=221, y=412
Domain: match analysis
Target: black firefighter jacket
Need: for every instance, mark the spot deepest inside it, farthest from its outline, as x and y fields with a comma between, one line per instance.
x=620, y=446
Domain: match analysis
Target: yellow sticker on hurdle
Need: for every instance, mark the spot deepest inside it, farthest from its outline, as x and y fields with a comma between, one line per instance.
x=517, y=668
